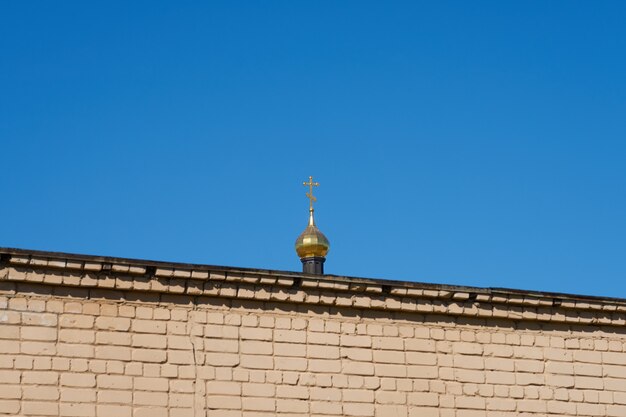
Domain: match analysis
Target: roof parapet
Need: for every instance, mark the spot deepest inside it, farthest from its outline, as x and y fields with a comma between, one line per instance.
x=85, y=271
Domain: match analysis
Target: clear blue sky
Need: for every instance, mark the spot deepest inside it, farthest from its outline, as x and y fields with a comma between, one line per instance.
x=473, y=143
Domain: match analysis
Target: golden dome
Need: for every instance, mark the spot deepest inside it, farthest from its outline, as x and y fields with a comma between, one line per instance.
x=312, y=242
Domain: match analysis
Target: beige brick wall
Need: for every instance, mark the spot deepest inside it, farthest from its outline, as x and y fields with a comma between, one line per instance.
x=71, y=351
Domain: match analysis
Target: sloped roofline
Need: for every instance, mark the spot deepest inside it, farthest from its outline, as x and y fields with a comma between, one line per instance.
x=386, y=284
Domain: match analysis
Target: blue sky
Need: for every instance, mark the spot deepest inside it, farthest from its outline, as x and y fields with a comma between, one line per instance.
x=473, y=143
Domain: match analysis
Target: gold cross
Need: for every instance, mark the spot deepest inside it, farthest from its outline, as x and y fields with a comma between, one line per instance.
x=312, y=198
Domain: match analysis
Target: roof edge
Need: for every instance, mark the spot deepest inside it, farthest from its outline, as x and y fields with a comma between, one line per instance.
x=180, y=266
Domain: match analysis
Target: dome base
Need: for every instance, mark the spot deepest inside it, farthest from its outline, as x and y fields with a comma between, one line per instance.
x=313, y=265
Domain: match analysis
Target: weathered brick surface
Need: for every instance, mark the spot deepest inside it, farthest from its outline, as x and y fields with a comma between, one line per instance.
x=106, y=348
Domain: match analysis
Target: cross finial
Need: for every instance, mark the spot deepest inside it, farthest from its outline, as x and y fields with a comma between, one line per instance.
x=312, y=198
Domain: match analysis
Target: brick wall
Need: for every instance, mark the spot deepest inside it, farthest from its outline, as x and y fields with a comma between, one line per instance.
x=69, y=350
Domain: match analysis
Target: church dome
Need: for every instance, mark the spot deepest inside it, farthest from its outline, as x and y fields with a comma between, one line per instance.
x=312, y=246
x=312, y=242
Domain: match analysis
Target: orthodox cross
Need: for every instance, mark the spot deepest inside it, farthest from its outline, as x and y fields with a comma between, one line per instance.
x=312, y=198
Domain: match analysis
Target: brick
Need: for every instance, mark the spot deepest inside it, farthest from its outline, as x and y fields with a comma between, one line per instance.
x=421, y=358
x=470, y=402
x=561, y=381
x=149, y=341
x=290, y=364
x=357, y=395
x=469, y=362
x=253, y=333
x=24, y=362
x=37, y=348
x=77, y=380
x=357, y=354
x=615, y=371
x=358, y=409
x=322, y=339
x=150, y=398
x=592, y=357
x=149, y=355
x=222, y=359
x=181, y=400
x=46, y=393
x=184, y=342
x=394, y=371
x=327, y=408
x=500, y=378
x=585, y=382
x=468, y=348
x=612, y=358
x=113, y=338
x=324, y=365
x=220, y=402
x=123, y=396
x=115, y=382
x=258, y=390
x=475, y=376
x=37, y=408
x=590, y=409
x=500, y=404
x=38, y=377
x=358, y=368
x=11, y=392
x=587, y=369
x=256, y=362
x=323, y=352
x=615, y=410
x=391, y=397
x=180, y=357
x=10, y=377
x=150, y=411
x=325, y=394
x=10, y=406
x=76, y=336
x=297, y=392
x=290, y=336
x=356, y=341
x=255, y=347
x=10, y=317
x=423, y=399
x=387, y=356
x=388, y=342
x=78, y=395
x=6, y=362
x=499, y=364
x=149, y=326
x=151, y=384
x=42, y=363
x=76, y=321
x=9, y=346
x=224, y=345
x=107, y=410
x=113, y=323
x=290, y=349
x=259, y=404
x=121, y=353
x=223, y=388
x=74, y=350
x=38, y=333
